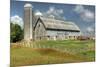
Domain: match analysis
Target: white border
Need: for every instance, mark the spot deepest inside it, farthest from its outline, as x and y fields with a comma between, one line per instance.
x=87, y=2
x=5, y=33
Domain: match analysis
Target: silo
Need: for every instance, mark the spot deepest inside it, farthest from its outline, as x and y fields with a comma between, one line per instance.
x=28, y=22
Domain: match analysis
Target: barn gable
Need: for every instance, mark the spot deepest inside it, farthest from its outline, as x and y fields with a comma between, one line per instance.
x=39, y=30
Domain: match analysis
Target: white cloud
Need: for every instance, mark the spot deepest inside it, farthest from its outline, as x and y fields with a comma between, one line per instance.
x=17, y=20
x=79, y=9
x=51, y=9
x=85, y=14
x=91, y=30
x=55, y=13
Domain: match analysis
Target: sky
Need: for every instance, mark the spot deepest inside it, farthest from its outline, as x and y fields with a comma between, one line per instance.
x=82, y=15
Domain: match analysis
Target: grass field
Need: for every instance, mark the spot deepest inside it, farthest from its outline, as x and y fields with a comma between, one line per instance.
x=78, y=51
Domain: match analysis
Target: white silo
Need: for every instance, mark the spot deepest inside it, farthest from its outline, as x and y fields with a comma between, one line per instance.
x=28, y=35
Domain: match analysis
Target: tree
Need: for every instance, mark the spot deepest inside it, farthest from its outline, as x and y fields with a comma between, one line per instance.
x=16, y=33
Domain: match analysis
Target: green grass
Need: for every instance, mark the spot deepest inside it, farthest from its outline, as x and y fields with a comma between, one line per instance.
x=78, y=51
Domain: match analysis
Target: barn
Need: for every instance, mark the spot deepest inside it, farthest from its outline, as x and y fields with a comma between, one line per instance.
x=39, y=27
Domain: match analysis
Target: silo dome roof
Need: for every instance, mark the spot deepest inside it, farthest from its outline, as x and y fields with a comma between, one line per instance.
x=27, y=5
x=38, y=13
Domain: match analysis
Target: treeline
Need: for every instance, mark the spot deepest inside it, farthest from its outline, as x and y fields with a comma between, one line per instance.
x=16, y=33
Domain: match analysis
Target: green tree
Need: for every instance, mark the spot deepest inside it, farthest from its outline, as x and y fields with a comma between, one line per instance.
x=16, y=33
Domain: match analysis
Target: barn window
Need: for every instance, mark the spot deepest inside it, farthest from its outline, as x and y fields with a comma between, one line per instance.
x=48, y=36
x=39, y=25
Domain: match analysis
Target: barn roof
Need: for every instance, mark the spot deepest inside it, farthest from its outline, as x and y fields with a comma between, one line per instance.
x=51, y=23
x=59, y=24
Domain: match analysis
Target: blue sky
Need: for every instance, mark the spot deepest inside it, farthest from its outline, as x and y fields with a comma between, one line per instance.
x=81, y=15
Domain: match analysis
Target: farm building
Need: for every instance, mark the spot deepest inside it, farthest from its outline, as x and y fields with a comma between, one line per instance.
x=38, y=27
